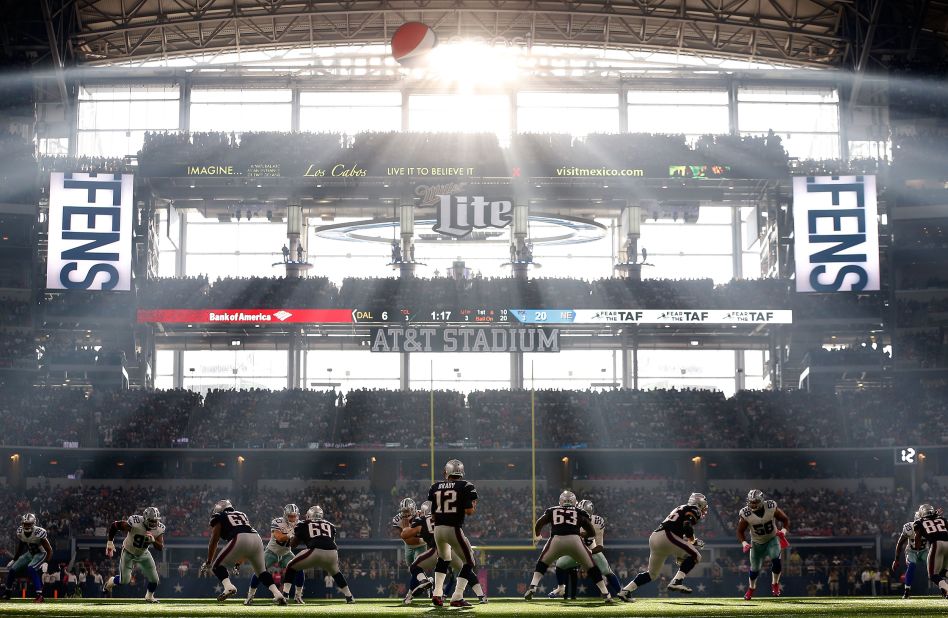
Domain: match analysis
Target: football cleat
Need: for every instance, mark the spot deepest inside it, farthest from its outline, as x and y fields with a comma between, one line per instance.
x=749, y=594
x=437, y=601
x=907, y=594
x=109, y=584
x=775, y=589
x=39, y=598
x=625, y=596
x=350, y=600
x=249, y=601
x=461, y=603
x=150, y=598
x=299, y=601
x=677, y=586
x=528, y=595
x=422, y=587
x=554, y=595
x=226, y=594
x=482, y=600
x=607, y=599
x=407, y=600
x=280, y=600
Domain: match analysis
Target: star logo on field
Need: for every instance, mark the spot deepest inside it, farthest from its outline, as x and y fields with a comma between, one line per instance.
x=501, y=589
x=542, y=589
x=581, y=589
x=282, y=315
x=819, y=586
x=380, y=590
x=218, y=589
x=741, y=587
x=178, y=588
x=701, y=588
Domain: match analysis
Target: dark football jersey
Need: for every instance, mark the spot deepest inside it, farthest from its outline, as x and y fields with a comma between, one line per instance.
x=232, y=523
x=448, y=501
x=932, y=528
x=565, y=520
x=681, y=520
x=316, y=534
x=427, y=528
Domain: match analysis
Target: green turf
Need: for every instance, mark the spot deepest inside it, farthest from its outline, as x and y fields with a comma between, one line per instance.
x=821, y=606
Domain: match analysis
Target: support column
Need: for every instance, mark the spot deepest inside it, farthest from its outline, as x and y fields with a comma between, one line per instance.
x=292, y=361
x=737, y=244
x=184, y=105
x=732, y=116
x=628, y=370
x=739, y=370
x=177, y=368
x=406, y=118
x=635, y=364
x=774, y=352
x=406, y=222
x=520, y=254
x=295, y=110
x=404, y=371
x=516, y=370
x=630, y=229
x=623, y=107
x=294, y=232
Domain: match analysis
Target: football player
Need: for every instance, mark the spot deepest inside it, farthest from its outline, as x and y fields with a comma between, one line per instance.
x=565, y=564
x=761, y=517
x=452, y=499
x=414, y=544
x=675, y=536
x=422, y=525
x=141, y=532
x=930, y=524
x=278, y=551
x=321, y=551
x=32, y=550
x=243, y=543
x=566, y=521
x=916, y=552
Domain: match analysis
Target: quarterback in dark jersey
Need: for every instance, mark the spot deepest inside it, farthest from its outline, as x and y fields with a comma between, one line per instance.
x=930, y=524
x=675, y=536
x=319, y=537
x=452, y=499
x=566, y=522
x=243, y=543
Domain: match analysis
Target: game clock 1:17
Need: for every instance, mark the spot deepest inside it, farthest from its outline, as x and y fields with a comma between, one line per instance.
x=443, y=315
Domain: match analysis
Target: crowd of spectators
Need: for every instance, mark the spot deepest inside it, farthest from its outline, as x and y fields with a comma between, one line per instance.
x=238, y=293
x=488, y=419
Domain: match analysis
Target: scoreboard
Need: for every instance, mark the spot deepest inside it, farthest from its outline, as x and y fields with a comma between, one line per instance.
x=499, y=316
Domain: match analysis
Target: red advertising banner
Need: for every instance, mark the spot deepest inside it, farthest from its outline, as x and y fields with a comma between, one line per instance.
x=245, y=316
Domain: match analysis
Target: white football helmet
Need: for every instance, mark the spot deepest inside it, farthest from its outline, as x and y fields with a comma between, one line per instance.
x=586, y=505
x=700, y=501
x=291, y=513
x=755, y=499
x=425, y=509
x=152, y=517
x=407, y=508
x=568, y=498
x=925, y=510
x=314, y=513
x=223, y=505
x=454, y=469
x=28, y=521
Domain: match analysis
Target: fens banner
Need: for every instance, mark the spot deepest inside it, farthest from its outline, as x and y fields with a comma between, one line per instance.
x=398, y=339
x=90, y=232
x=836, y=236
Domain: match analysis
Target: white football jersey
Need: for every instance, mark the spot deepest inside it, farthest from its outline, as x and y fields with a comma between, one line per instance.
x=33, y=540
x=762, y=527
x=135, y=542
x=600, y=525
x=274, y=546
x=916, y=541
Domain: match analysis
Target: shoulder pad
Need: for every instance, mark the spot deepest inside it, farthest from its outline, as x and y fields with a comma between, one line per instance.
x=160, y=529
x=770, y=504
x=599, y=521
x=39, y=533
x=276, y=523
x=909, y=529
x=746, y=512
x=135, y=520
x=19, y=530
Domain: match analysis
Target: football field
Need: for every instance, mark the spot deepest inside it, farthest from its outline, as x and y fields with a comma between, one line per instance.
x=825, y=606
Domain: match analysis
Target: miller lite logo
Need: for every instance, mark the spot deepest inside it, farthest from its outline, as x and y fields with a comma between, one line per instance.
x=458, y=217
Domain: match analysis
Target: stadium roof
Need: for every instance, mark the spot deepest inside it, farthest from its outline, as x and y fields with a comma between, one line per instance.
x=792, y=32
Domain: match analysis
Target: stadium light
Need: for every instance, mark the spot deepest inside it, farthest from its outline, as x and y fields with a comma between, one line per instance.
x=240, y=459
x=696, y=459
x=15, y=457
x=469, y=63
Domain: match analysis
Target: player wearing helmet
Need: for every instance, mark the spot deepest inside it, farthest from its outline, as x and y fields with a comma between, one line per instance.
x=141, y=532
x=278, y=552
x=414, y=544
x=321, y=551
x=565, y=566
x=566, y=521
x=930, y=524
x=423, y=525
x=243, y=543
x=916, y=551
x=761, y=517
x=452, y=499
x=32, y=550
x=675, y=536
